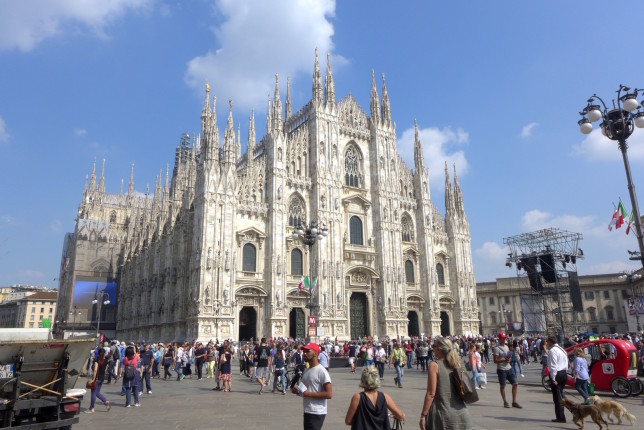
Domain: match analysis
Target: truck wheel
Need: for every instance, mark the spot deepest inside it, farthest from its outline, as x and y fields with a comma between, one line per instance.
x=620, y=387
x=636, y=386
x=545, y=381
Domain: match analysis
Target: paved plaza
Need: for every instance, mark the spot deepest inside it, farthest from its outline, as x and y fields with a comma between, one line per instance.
x=191, y=404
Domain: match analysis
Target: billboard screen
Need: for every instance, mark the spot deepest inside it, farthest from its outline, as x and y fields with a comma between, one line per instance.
x=87, y=291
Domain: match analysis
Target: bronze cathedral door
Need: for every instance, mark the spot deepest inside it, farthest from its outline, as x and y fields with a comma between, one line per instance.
x=358, y=315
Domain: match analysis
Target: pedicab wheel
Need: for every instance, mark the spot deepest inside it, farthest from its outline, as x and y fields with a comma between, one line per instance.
x=545, y=381
x=636, y=386
x=620, y=387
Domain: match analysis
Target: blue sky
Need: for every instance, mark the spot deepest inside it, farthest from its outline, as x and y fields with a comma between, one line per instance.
x=496, y=88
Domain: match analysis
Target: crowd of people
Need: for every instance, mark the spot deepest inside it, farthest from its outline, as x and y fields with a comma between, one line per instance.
x=136, y=365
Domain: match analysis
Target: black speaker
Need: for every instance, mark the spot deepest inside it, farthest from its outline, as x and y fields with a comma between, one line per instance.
x=575, y=292
x=547, y=262
x=530, y=266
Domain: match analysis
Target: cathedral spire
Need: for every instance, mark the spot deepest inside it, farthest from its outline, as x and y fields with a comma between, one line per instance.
x=268, y=115
x=277, y=107
x=386, y=109
x=458, y=195
x=130, y=187
x=329, y=86
x=206, y=104
x=101, y=182
x=419, y=160
x=288, y=99
x=92, y=179
x=317, y=81
x=238, y=145
x=121, y=193
x=449, y=198
x=375, y=102
x=229, y=137
x=250, y=146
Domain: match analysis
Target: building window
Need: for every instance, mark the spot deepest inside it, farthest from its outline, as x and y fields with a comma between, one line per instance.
x=592, y=315
x=352, y=167
x=612, y=329
x=295, y=211
x=607, y=294
x=508, y=316
x=507, y=300
x=113, y=217
x=625, y=294
x=409, y=272
x=296, y=262
x=441, y=274
x=609, y=315
x=40, y=318
x=51, y=310
x=39, y=325
x=594, y=329
x=493, y=318
x=42, y=310
x=355, y=228
x=31, y=325
x=33, y=310
x=589, y=295
x=31, y=318
x=407, y=229
x=249, y=258
x=491, y=300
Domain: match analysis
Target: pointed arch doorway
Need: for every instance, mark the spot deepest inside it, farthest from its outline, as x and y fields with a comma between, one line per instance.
x=247, y=323
x=412, y=327
x=445, y=331
x=297, y=323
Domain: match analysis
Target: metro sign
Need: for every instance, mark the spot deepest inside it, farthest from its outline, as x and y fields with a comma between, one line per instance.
x=312, y=319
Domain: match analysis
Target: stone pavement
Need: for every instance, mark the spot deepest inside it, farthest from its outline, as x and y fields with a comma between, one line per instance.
x=191, y=404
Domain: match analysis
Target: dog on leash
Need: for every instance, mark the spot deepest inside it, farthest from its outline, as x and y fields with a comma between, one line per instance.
x=610, y=407
x=580, y=412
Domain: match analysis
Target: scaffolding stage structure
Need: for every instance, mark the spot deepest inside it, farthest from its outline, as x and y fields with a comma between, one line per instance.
x=546, y=267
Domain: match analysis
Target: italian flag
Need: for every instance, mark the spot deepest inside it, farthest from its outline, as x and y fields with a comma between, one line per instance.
x=613, y=220
x=630, y=221
x=315, y=284
x=621, y=214
x=304, y=282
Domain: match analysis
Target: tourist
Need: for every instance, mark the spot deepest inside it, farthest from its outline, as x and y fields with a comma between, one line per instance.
x=515, y=349
x=443, y=408
x=168, y=359
x=502, y=357
x=189, y=354
x=397, y=358
x=212, y=361
x=100, y=367
x=481, y=366
x=147, y=357
x=263, y=364
x=225, y=368
x=200, y=359
x=324, y=358
x=315, y=389
x=353, y=352
x=580, y=372
x=131, y=376
x=558, y=366
x=380, y=358
x=179, y=360
x=368, y=409
x=279, y=370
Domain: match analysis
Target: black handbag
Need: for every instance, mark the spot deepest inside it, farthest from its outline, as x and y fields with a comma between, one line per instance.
x=464, y=387
x=397, y=425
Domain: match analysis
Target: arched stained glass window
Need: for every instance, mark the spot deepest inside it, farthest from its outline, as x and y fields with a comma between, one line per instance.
x=249, y=258
x=296, y=262
x=352, y=167
x=407, y=229
x=355, y=231
x=295, y=211
x=409, y=272
x=440, y=274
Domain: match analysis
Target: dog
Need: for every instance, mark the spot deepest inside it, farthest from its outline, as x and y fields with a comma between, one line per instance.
x=609, y=407
x=580, y=412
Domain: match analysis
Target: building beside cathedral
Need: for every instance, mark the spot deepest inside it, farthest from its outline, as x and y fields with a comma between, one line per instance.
x=210, y=253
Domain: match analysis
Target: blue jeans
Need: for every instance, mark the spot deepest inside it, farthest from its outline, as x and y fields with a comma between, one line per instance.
x=475, y=375
x=146, y=376
x=381, y=369
x=368, y=362
x=582, y=388
x=409, y=360
x=128, y=397
x=515, y=363
x=97, y=393
x=179, y=370
x=400, y=371
x=282, y=380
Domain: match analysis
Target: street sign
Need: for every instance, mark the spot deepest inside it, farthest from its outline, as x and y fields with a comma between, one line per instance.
x=312, y=319
x=312, y=331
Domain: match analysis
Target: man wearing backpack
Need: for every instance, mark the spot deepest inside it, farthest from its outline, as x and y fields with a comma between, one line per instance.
x=263, y=363
x=113, y=363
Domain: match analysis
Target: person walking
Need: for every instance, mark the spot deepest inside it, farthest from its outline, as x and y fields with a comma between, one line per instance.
x=212, y=361
x=397, y=358
x=380, y=359
x=263, y=364
x=443, y=407
x=178, y=360
x=502, y=357
x=100, y=368
x=368, y=409
x=557, y=365
x=515, y=349
x=147, y=357
x=200, y=359
x=279, y=370
x=225, y=368
x=315, y=389
x=131, y=376
x=580, y=372
x=168, y=358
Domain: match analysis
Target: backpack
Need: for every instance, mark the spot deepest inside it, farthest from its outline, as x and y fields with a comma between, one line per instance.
x=130, y=371
x=116, y=355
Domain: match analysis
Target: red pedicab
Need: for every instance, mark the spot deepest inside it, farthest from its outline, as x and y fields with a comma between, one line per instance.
x=612, y=366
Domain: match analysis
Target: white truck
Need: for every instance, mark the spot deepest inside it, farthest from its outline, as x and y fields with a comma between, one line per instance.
x=37, y=378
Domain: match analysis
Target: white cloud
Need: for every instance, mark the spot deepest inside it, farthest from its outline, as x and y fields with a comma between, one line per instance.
x=536, y=220
x=610, y=267
x=597, y=147
x=4, y=135
x=258, y=39
x=80, y=132
x=489, y=262
x=6, y=220
x=437, y=148
x=24, y=24
x=56, y=226
x=526, y=131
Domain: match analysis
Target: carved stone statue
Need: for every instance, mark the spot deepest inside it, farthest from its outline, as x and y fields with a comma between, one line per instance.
x=278, y=297
x=339, y=298
x=346, y=237
x=279, y=193
x=226, y=264
x=207, y=295
x=225, y=294
x=278, y=268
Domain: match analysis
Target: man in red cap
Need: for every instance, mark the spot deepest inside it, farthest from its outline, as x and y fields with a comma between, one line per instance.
x=502, y=358
x=315, y=388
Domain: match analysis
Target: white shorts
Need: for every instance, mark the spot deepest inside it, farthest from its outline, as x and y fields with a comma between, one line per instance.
x=261, y=373
x=352, y=360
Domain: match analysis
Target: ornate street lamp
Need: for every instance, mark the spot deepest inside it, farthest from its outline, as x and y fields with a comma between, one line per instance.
x=635, y=298
x=310, y=233
x=618, y=124
x=105, y=300
x=73, y=314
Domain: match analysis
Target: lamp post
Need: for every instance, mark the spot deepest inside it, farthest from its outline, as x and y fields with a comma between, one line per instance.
x=105, y=300
x=310, y=233
x=635, y=298
x=503, y=317
x=73, y=314
x=618, y=125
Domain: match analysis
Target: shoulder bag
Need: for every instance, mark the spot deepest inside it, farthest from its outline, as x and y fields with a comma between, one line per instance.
x=464, y=387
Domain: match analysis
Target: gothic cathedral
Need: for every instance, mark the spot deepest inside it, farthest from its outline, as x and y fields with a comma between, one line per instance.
x=211, y=253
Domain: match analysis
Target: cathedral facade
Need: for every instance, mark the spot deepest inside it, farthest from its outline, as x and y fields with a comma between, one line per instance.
x=210, y=253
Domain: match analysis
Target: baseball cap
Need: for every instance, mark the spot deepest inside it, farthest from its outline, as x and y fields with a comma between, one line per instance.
x=314, y=346
x=502, y=335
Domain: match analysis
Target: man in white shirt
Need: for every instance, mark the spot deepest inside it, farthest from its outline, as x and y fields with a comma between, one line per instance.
x=558, y=366
x=315, y=389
